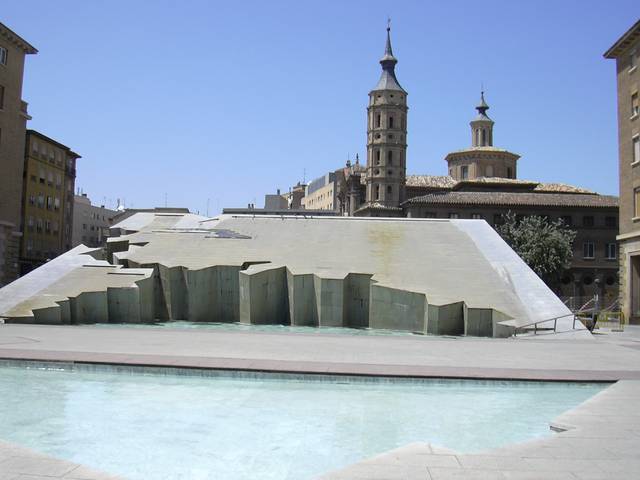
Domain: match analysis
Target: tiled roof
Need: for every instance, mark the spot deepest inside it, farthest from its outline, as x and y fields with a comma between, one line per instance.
x=447, y=182
x=378, y=206
x=561, y=187
x=430, y=181
x=537, y=199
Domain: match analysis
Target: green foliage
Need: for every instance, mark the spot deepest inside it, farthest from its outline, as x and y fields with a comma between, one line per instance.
x=545, y=246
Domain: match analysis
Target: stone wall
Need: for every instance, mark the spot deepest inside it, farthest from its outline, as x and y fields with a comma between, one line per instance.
x=9, y=253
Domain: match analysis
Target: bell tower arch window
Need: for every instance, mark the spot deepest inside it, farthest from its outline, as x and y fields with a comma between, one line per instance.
x=390, y=122
x=390, y=157
x=377, y=120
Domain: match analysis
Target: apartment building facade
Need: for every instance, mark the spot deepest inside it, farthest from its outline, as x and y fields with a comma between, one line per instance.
x=48, y=200
x=626, y=52
x=90, y=222
x=13, y=120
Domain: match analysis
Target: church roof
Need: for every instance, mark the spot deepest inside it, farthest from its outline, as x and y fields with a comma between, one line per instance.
x=430, y=181
x=445, y=182
x=513, y=199
x=486, y=148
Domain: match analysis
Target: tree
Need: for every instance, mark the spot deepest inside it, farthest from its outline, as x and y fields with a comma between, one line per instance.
x=545, y=246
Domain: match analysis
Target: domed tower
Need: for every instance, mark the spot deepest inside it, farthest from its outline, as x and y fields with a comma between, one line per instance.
x=386, y=140
x=482, y=159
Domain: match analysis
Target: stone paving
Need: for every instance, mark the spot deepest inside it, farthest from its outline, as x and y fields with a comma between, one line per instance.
x=598, y=439
x=19, y=463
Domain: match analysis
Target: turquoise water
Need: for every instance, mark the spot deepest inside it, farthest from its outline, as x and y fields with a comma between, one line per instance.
x=146, y=426
x=252, y=328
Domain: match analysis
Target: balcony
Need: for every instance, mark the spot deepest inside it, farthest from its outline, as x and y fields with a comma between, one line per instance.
x=24, y=110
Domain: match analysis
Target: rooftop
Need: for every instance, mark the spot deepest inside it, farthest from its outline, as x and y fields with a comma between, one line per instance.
x=445, y=182
x=17, y=40
x=544, y=199
x=625, y=41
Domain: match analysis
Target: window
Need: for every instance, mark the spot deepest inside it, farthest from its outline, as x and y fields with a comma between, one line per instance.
x=635, y=106
x=47, y=226
x=588, y=250
x=34, y=146
x=41, y=200
x=454, y=215
x=588, y=221
x=3, y=56
x=567, y=221
x=378, y=120
x=50, y=179
x=377, y=157
x=483, y=136
x=611, y=222
x=30, y=223
x=476, y=216
x=58, y=180
x=636, y=148
x=509, y=172
x=1, y=97
x=390, y=122
x=56, y=203
x=84, y=226
x=39, y=224
x=610, y=251
x=464, y=172
x=636, y=202
x=49, y=202
x=488, y=171
x=377, y=192
x=32, y=199
x=389, y=189
x=390, y=157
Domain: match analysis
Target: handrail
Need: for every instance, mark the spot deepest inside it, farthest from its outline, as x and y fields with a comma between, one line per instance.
x=555, y=323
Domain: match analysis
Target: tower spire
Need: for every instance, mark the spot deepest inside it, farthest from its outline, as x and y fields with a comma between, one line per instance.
x=388, y=80
x=482, y=106
x=388, y=61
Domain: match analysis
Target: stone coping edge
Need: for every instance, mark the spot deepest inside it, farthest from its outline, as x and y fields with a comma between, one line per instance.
x=267, y=374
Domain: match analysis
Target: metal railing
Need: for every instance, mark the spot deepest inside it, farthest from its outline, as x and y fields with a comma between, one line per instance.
x=552, y=319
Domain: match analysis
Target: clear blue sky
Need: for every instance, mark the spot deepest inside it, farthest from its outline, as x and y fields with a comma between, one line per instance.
x=231, y=100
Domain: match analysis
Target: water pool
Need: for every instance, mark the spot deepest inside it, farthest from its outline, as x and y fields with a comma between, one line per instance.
x=272, y=328
x=150, y=426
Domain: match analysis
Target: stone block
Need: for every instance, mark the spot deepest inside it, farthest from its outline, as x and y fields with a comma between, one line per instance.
x=446, y=319
x=397, y=309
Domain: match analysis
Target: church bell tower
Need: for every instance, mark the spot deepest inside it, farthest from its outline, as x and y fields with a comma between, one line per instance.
x=386, y=139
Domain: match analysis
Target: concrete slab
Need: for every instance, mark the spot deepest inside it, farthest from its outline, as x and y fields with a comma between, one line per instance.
x=394, y=268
